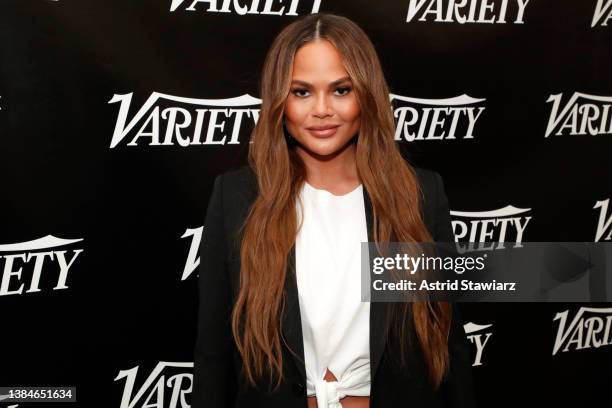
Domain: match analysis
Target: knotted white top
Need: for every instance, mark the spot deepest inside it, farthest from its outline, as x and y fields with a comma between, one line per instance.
x=335, y=323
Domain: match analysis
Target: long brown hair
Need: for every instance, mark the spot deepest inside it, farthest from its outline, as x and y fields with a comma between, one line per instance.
x=270, y=229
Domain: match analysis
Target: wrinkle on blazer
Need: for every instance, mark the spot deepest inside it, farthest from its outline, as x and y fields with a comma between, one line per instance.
x=218, y=380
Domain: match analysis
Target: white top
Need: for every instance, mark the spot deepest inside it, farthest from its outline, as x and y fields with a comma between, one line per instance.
x=335, y=323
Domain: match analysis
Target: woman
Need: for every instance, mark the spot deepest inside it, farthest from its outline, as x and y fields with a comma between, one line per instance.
x=280, y=320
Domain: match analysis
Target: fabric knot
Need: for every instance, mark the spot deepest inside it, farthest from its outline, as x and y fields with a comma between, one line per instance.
x=328, y=394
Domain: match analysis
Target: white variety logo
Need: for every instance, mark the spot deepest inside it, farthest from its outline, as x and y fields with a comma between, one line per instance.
x=193, y=259
x=603, y=225
x=242, y=7
x=436, y=119
x=583, y=114
x=490, y=227
x=183, y=126
x=603, y=13
x=160, y=389
x=467, y=11
x=38, y=255
x=479, y=336
x=583, y=332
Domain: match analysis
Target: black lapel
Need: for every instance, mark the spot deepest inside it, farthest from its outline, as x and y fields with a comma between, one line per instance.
x=292, y=322
x=378, y=310
x=291, y=319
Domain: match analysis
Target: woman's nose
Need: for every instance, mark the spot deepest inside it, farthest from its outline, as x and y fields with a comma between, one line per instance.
x=322, y=106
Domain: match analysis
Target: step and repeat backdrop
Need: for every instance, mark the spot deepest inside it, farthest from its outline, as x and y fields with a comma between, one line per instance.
x=115, y=117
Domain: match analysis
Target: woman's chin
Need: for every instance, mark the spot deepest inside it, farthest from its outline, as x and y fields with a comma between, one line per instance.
x=324, y=147
x=322, y=150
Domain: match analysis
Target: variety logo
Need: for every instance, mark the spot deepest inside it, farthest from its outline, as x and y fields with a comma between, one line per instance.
x=26, y=262
x=603, y=225
x=590, y=328
x=165, y=387
x=603, y=13
x=583, y=114
x=193, y=260
x=479, y=337
x=467, y=11
x=436, y=119
x=242, y=7
x=155, y=125
x=490, y=227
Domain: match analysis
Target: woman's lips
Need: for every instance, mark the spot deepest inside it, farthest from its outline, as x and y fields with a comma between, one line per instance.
x=325, y=132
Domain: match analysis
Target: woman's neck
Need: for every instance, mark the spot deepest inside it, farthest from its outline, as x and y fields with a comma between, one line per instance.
x=336, y=173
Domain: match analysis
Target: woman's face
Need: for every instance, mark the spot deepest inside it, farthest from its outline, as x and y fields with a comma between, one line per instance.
x=322, y=111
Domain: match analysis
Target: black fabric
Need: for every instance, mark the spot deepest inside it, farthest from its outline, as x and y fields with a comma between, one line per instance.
x=217, y=365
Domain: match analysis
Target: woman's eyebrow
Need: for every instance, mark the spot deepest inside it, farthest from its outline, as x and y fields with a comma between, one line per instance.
x=331, y=84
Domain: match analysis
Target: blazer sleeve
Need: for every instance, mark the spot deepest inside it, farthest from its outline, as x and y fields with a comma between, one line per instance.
x=459, y=383
x=213, y=377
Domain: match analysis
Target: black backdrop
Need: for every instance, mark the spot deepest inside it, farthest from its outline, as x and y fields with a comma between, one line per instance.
x=122, y=326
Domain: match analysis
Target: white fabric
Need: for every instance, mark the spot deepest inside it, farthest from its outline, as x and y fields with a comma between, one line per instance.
x=335, y=323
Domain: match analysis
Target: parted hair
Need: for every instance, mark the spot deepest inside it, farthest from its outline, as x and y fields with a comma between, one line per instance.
x=271, y=227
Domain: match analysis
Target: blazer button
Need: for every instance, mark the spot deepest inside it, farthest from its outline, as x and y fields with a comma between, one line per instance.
x=299, y=389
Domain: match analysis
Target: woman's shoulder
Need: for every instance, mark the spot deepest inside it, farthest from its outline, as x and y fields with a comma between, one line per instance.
x=435, y=206
x=238, y=190
x=430, y=182
x=242, y=177
x=427, y=177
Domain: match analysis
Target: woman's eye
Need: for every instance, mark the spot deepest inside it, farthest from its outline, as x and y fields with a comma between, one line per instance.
x=300, y=92
x=344, y=90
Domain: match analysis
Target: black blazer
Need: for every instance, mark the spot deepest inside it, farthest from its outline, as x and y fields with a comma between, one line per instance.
x=217, y=381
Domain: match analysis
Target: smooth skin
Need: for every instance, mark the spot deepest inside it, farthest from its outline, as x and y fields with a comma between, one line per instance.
x=321, y=94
